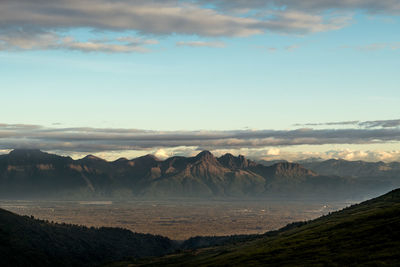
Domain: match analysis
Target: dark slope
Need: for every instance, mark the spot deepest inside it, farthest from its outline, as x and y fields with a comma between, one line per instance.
x=36, y=171
x=25, y=241
x=367, y=234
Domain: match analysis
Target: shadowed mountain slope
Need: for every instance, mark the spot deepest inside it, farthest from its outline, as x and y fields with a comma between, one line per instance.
x=32, y=173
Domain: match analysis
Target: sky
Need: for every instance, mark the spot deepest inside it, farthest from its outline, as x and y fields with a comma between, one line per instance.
x=267, y=79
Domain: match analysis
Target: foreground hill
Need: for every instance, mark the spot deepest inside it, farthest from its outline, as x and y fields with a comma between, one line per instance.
x=25, y=241
x=366, y=234
x=36, y=174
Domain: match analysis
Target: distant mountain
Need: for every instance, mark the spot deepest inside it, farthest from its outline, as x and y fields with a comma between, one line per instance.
x=359, y=168
x=25, y=241
x=32, y=173
x=366, y=234
x=271, y=162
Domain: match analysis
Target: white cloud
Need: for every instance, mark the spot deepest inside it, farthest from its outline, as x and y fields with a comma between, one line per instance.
x=346, y=154
x=162, y=154
x=273, y=152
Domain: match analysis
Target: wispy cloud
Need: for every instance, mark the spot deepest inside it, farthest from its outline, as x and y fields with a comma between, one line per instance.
x=201, y=44
x=363, y=124
x=25, y=40
x=288, y=48
x=380, y=123
x=374, y=46
x=371, y=6
x=292, y=47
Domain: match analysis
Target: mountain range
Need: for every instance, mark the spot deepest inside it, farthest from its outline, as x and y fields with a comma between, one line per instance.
x=27, y=173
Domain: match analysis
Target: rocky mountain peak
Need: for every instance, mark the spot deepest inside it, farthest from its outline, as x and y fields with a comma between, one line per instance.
x=148, y=157
x=28, y=156
x=288, y=169
x=232, y=162
x=26, y=153
x=92, y=157
x=205, y=155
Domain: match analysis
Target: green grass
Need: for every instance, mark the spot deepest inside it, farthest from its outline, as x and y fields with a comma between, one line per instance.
x=367, y=234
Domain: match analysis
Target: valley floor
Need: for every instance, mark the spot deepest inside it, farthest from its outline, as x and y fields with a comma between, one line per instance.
x=177, y=220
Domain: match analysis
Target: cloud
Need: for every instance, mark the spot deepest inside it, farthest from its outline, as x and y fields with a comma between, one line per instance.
x=375, y=46
x=339, y=123
x=273, y=152
x=27, y=24
x=146, y=17
x=371, y=6
x=288, y=48
x=296, y=22
x=201, y=44
x=112, y=143
x=292, y=47
x=113, y=139
x=380, y=123
x=346, y=154
x=363, y=124
x=25, y=40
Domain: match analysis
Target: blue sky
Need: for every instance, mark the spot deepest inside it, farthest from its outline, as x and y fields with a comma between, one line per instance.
x=323, y=64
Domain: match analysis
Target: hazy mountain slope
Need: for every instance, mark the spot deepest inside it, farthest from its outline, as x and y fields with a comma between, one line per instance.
x=32, y=173
x=342, y=167
x=28, y=242
x=364, y=234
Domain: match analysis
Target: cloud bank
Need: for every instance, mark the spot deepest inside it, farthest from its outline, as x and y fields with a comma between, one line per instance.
x=112, y=139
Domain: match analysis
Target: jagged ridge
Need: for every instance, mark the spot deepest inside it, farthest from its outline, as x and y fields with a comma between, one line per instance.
x=32, y=172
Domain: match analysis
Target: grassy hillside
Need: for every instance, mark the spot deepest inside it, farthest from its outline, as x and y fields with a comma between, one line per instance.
x=363, y=234
x=25, y=241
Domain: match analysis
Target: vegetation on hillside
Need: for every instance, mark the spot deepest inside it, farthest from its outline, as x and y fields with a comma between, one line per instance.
x=25, y=241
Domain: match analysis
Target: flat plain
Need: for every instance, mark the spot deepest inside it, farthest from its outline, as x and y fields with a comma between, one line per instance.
x=176, y=219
